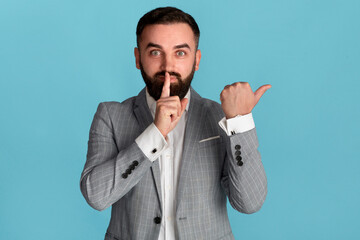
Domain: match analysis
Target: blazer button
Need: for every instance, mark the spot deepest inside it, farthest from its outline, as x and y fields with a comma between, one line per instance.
x=157, y=220
x=237, y=147
x=237, y=153
x=238, y=158
x=240, y=163
x=132, y=167
x=135, y=163
x=124, y=175
x=128, y=171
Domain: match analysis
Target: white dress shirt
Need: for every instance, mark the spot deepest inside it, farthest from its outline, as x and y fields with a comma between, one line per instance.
x=169, y=152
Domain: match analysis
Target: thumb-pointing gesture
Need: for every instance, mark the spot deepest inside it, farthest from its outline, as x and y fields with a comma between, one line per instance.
x=239, y=99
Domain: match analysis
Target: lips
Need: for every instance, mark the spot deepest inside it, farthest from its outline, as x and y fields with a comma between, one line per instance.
x=173, y=79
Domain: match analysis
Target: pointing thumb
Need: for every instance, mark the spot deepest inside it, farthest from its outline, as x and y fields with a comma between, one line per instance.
x=260, y=91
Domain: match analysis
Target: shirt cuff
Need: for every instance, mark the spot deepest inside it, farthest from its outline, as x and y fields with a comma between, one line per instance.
x=238, y=124
x=151, y=142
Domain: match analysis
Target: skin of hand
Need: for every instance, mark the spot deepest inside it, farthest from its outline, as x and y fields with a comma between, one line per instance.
x=239, y=99
x=169, y=109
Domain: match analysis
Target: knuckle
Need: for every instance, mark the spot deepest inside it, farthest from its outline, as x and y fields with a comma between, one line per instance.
x=161, y=107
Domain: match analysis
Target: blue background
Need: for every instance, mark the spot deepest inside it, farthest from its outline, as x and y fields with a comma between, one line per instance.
x=60, y=58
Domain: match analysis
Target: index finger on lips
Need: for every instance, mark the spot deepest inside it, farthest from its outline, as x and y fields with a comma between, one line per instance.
x=166, y=87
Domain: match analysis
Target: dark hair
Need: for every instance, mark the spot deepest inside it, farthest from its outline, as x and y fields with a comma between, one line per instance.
x=167, y=15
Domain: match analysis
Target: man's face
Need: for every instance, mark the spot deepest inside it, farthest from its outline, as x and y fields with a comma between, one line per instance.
x=167, y=48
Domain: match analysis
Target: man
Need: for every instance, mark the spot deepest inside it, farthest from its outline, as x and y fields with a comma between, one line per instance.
x=166, y=159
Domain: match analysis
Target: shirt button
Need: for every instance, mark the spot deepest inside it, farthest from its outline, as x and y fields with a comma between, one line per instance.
x=157, y=220
x=154, y=150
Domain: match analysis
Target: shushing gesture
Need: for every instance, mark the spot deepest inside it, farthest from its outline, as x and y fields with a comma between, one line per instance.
x=239, y=99
x=169, y=109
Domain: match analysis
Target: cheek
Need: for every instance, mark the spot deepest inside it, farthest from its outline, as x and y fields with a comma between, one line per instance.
x=183, y=64
x=188, y=66
x=151, y=66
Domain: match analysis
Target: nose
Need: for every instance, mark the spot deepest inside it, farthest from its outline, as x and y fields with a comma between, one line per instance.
x=167, y=63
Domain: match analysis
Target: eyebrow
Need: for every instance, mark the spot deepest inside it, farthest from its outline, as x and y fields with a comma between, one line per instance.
x=184, y=45
x=153, y=45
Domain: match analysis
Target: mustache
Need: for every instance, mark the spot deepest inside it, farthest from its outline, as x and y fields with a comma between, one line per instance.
x=162, y=74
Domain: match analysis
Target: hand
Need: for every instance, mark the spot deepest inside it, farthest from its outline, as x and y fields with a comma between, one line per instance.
x=168, y=109
x=239, y=99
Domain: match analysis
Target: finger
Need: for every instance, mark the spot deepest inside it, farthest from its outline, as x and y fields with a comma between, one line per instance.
x=166, y=88
x=260, y=91
x=183, y=102
x=172, y=112
x=175, y=100
x=171, y=102
x=179, y=106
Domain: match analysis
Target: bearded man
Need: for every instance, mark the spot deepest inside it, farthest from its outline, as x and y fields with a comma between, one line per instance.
x=167, y=159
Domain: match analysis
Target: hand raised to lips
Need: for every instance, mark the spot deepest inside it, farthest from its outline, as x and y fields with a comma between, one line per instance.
x=169, y=109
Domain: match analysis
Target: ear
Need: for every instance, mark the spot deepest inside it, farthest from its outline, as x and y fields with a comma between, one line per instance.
x=137, y=57
x=197, y=59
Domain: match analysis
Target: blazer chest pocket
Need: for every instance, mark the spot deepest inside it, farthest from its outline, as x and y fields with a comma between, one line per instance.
x=207, y=166
x=210, y=141
x=211, y=154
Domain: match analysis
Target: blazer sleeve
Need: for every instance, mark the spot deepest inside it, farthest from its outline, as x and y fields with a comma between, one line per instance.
x=244, y=178
x=109, y=172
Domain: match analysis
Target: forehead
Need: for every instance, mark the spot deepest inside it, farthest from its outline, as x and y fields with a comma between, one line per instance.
x=168, y=35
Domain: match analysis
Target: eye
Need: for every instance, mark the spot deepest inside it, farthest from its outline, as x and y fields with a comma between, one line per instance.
x=180, y=53
x=155, y=53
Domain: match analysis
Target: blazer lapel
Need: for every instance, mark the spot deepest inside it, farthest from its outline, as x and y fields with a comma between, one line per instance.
x=192, y=134
x=144, y=117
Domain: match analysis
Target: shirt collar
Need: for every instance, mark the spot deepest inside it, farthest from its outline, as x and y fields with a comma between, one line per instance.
x=152, y=103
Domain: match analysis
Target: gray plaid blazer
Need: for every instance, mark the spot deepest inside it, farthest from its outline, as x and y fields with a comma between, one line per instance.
x=214, y=166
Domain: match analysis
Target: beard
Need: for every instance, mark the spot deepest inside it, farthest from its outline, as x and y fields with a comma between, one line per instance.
x=155, y=84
